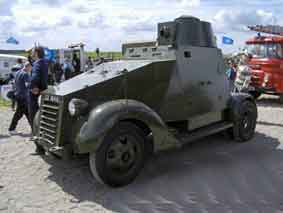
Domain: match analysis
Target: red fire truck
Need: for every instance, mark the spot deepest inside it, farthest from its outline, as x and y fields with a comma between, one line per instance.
x=267, y=61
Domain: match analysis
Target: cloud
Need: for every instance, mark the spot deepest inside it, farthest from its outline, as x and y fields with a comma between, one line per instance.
x=80, y=9
x=138, y=26
x=36, y=28
x=65, y=21
x=182, y=3
x=94, y=21
x=53, y=3
x=225, y=20
x=7, y=25
x=6, y=7
x=108, y=23
x=188, y=3
x=42, y=26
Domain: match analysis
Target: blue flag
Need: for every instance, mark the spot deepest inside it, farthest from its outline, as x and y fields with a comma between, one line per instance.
x=12, y=40
x=50, y=54
x=227, y=40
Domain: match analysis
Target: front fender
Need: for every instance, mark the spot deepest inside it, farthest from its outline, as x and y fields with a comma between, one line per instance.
x=36, y=124
x=103, y=118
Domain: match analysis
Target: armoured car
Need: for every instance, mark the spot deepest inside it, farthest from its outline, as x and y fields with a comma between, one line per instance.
x=162, y=95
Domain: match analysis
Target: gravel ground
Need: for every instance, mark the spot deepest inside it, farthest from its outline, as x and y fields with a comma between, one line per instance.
x=212, y=175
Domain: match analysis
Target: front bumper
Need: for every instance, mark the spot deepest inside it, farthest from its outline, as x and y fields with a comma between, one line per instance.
x=267, y=90
x=56, y=150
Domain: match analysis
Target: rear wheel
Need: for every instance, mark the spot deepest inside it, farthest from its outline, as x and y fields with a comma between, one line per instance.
x=245, y=121
x=281, y=98
x=120, y=157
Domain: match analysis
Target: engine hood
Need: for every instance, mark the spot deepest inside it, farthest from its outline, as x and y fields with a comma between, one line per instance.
x=99, y=74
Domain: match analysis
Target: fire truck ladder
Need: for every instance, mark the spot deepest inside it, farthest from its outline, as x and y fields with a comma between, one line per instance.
x=270, y=29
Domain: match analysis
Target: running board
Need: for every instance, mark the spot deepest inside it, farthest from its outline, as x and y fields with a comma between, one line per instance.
x=203, y=132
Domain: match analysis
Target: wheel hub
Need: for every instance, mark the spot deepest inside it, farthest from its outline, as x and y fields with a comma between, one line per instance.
x=246, y=123
x=122, y=154
x=126, y=157
x=246, y=120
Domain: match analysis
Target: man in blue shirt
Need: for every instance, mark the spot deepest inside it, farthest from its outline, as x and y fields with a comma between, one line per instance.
x=21, y=94
x=231, y=74
x=38, y=81
x=68, y=69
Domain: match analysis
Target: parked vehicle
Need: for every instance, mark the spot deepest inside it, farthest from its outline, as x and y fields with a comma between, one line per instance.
x=266, y=62
x=6, y=64
x=243, y=79
x=74, y=49
x=160, y=96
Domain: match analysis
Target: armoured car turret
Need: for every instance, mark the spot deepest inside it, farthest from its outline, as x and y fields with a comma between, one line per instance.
x=162, y=95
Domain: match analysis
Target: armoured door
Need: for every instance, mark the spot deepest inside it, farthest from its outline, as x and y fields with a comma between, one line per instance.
x=203, y=79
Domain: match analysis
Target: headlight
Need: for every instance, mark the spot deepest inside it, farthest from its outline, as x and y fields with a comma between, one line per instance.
x=256, y=66
x=72, y=108
x=77, y=107
x=266, y=78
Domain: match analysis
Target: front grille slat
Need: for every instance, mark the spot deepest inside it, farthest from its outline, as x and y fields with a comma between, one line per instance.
x=51, y=107
x=48, y=124
x=49, y=136
x=48, y=112
x=48, y=130
x=49, y=120
x=47, y=140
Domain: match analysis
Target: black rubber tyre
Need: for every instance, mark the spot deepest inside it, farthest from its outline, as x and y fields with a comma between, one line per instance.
x=281, y=98
x=245, y=121
x=120, y=157
x=255, y=94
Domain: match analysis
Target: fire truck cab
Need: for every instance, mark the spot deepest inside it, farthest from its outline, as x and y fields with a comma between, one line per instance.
x=266, y=65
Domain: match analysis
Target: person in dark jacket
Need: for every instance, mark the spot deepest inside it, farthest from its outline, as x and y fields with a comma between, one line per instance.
x=68, y=69
x=76, y=64
x=21, y=94
x=58, y=71
x=38, y=80
x=11, y=79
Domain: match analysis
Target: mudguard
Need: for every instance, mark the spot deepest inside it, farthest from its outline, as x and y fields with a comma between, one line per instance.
x=36, y=124
x=103, y=118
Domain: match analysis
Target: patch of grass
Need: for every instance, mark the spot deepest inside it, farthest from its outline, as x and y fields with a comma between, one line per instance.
x=4, y=103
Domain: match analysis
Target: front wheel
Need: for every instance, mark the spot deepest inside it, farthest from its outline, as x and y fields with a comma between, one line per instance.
x=120, y=157
x=245, y=121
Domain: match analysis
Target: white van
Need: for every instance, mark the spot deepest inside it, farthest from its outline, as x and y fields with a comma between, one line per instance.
x=69, y=52
x=6, y=64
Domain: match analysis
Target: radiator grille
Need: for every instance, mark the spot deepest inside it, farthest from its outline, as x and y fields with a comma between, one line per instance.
x=50, y=121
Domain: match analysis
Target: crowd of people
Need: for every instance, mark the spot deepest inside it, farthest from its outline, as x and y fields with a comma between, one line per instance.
x=239, y=73
x=29, y=81
x=30, y=78
x=66, y=70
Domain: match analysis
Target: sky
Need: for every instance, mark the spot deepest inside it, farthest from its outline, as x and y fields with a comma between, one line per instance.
x=107, y=24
